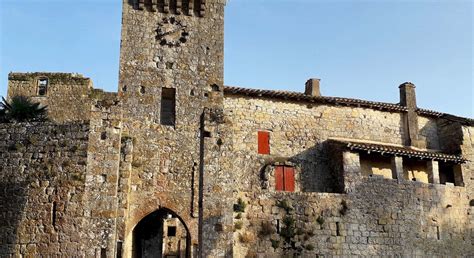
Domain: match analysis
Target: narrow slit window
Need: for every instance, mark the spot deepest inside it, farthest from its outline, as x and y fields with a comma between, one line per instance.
x=42, y=86
x=263, y=142
x=53, y=214
x=168, y=106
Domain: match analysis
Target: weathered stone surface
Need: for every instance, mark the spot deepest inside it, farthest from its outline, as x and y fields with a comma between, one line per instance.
x=80, y=184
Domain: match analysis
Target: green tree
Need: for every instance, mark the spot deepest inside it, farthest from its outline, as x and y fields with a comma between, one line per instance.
x=21, y=109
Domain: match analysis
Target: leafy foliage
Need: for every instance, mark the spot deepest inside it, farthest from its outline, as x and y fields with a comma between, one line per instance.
x=240, y=206
x=21, y=109
x=288, y=231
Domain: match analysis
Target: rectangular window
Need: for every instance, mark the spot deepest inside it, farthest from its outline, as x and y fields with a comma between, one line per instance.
x=450, y=173
x=263, y=142
x=171, y=231
x=285, y=178
x=168, y=106
x=42, y=86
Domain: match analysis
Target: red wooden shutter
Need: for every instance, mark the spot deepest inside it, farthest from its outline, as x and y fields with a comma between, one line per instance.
x=289, y=178
x=263, y=142
x=279, y=182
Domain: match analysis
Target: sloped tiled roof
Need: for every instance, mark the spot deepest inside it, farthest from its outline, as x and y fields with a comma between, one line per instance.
x=298, y=96
x=462, y=120
x=291, y=95
x=399, y=150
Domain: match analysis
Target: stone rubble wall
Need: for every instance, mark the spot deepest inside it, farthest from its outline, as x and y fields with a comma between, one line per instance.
x=101, y=185
x=67, y=98
x=42, y=180
x=168, y=162
x=298, y=132
x=371, y=216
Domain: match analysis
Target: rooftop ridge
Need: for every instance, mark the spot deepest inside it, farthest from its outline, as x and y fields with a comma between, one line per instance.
x=293, y=95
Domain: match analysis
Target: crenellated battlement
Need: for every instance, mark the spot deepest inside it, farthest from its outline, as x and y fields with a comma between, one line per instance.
x=186, y=7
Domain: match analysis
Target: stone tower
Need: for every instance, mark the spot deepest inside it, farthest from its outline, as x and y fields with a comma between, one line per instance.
x=171, y=89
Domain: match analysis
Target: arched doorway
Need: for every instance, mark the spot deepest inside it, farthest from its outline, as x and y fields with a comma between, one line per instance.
x=161, y=234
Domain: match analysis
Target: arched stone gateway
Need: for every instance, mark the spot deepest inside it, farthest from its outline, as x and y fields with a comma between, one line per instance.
x=161, y=233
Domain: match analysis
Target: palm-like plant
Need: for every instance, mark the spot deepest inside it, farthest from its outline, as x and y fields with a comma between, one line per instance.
x=22, y=109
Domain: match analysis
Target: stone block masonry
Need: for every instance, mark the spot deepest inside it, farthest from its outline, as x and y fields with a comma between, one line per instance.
x=177, y=164
x=42, y=182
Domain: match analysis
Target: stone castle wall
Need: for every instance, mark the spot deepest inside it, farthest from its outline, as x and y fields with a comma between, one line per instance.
x=67, y=95
x=72, y=187
x=298, y=132
x=42, y=180
x=378, y=216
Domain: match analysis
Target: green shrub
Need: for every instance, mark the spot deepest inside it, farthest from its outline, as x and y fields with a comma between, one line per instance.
x=275, y=243
x=320, y=220
x=267, y=228
x=288, y=230
x=21, y=109
x=240, y=206
x=238, y=225
x=284, y=204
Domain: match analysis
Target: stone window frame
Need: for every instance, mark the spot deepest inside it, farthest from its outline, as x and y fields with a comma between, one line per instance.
x=38, y=86
x=268, y=176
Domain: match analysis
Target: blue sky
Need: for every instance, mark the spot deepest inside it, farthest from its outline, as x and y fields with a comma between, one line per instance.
x=359, y=48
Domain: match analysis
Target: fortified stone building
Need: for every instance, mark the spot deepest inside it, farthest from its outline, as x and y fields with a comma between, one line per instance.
x=178, y=165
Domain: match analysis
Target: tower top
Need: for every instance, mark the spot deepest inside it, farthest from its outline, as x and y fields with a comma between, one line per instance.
x=186, y=7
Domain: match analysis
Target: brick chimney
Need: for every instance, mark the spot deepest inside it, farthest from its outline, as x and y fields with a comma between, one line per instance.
x=312, y=87
x=408, y=99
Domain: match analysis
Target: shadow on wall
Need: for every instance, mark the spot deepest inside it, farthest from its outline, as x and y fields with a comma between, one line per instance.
x=316, y=173
x=13, y=197
x=379, y=217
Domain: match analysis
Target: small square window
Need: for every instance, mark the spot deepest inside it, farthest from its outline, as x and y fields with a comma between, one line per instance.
x=42, y=86
x=171, y=231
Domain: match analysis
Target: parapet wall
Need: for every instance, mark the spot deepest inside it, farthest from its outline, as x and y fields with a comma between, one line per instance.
x=42, y=177
x=381, y=217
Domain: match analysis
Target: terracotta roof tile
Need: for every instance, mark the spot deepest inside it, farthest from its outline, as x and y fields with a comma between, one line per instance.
x=290, y=95
x=298, y=96
x=400, y=151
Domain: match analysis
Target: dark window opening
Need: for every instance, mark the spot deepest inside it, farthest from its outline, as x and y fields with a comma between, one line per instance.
x=284, y=178
x=263, y=142
x=215, y=87
x=119, y=249
x=471, y=203
x=450, y=173
x=168, y=106
x=338, y=229
x=53, y=215
x=103, y=253
x=207, y=134
x=43, y=86
x=142, y=89
x=171, y=231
